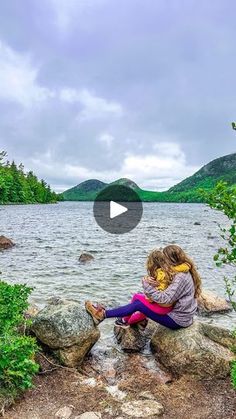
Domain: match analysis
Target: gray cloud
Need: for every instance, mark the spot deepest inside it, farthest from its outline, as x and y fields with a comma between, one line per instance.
x=98, y=87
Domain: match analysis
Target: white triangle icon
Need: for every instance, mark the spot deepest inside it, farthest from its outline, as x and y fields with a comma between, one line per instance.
x=116, y=209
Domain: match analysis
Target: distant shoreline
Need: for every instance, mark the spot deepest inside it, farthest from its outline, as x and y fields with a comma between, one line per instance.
x=27, y=203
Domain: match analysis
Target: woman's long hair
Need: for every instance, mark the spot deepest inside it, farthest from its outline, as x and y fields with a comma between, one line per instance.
x=175, y=255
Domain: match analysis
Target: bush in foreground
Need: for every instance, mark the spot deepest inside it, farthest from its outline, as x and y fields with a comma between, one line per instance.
x=223, y=198
x=17, y=351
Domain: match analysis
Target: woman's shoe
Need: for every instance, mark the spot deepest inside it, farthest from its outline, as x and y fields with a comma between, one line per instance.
x=97, y=311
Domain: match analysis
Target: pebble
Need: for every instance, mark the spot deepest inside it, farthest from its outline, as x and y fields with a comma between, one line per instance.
x=89, y=415
x=115, y=392
x=64, y=412
x=91, y=382
x=142, y=408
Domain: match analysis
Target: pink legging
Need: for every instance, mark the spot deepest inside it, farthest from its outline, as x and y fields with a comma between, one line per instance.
x=138, y=317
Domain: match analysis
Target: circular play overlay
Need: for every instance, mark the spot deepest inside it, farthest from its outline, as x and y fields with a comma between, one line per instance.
x=118, y=209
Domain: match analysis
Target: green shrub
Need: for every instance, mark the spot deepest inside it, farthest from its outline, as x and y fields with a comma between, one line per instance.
x=233, y=373
x=223, y=198
x=17, y=365
x=17, y=351
x=13, y=304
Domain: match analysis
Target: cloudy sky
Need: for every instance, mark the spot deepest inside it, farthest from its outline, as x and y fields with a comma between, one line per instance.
x=117, y=88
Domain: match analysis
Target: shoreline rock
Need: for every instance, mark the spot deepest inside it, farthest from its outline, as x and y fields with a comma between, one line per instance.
x=201, y=350
x=6, y=243
x=209, y=303
x=133, y=339
x=86, y=257
x=67, y=329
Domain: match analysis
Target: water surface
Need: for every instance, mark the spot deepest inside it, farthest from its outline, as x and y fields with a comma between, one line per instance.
x=50, y=238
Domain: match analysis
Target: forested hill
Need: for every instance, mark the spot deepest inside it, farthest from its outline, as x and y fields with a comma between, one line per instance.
x=18, y=187
x=223, y=168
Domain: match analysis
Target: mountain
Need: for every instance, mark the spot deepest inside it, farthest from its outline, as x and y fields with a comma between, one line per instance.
x=85, y=191
x=126, y=182
x=88, y=190
x=223, y=168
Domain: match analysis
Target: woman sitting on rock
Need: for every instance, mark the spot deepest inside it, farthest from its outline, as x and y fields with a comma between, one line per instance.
x=170, y=293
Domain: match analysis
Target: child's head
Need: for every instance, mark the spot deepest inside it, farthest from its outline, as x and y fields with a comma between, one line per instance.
x=175, y=256
x=156, y=260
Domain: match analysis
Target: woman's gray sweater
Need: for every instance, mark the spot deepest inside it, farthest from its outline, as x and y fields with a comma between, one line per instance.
x=180, y=293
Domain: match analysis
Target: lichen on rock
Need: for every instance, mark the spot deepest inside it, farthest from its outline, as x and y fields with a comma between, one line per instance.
x=201, y=350
x=209, y=303
x=67, y=329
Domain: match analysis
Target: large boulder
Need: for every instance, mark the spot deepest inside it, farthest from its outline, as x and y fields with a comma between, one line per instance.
x=6, y=243
x=201, y=350
x=210, y=303
x=67, y=329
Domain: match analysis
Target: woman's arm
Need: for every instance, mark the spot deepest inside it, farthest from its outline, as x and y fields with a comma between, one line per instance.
x=175, y=290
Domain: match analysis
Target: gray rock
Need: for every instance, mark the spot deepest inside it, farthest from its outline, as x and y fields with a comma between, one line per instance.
x=89, y=415
x=197, y=223
x=6, y=243
x=85, y=257
x=210, y=303
x=67, y=329
x=115, y=392
x=200, y=350
x=142, y=408
x=64, y=412
x=134, y=338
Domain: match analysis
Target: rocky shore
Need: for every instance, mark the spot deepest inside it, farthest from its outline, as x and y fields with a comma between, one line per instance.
x=185, y=375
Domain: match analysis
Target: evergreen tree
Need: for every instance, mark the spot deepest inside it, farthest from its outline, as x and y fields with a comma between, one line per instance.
x=16, y=186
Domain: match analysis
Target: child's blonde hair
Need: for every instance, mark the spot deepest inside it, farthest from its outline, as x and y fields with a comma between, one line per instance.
x=156, y=260
x=175, y=256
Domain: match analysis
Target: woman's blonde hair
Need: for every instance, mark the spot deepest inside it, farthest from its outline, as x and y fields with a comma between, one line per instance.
x=175, y=255
x=155, y=260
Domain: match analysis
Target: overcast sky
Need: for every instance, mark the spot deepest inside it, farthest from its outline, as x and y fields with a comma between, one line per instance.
x=117, y=88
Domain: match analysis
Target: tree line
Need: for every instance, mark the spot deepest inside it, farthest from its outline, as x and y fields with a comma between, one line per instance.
x=18, y=187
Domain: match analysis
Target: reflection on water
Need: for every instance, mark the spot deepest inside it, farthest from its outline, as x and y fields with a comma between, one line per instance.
x=50, y=239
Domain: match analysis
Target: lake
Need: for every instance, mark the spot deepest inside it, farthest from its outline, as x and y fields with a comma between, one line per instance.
x=50, y=238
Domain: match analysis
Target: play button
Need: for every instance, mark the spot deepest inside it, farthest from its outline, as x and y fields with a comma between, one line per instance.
x=118, y=209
